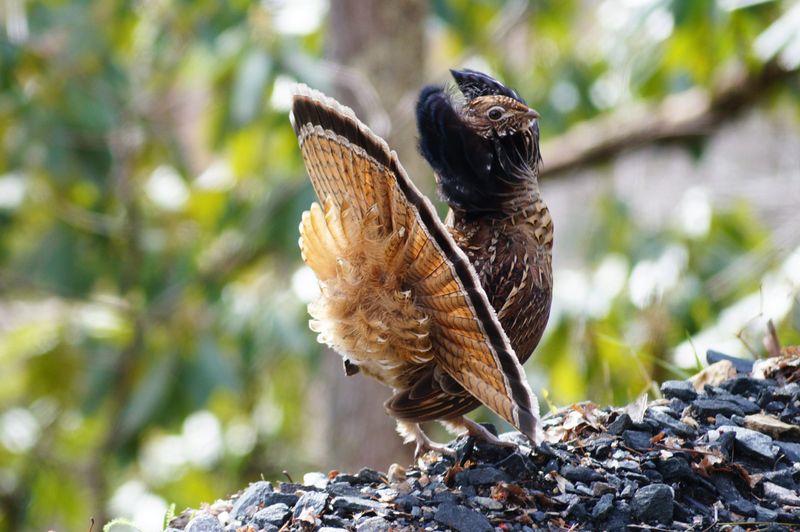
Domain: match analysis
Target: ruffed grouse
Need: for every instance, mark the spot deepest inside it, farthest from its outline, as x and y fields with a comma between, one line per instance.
x=444, y=314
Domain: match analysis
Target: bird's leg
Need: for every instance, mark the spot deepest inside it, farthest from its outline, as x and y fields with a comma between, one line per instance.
x=463, y=424
x=413, y=432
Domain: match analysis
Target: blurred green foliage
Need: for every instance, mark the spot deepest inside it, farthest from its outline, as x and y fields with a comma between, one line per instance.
x=150, y=190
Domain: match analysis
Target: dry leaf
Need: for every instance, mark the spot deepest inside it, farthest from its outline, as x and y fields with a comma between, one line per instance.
x=637, y=409
x=507, y=492
x=772, y=426
x=714, y=374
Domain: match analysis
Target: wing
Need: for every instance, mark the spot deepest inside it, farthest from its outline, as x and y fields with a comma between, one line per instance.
x=356, y=175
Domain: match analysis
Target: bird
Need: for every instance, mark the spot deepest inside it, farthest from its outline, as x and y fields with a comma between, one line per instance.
x=443, y=312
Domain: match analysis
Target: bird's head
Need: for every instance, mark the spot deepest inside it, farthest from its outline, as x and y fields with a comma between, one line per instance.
x=485, y=149
x=498, y=115
x=491, y=108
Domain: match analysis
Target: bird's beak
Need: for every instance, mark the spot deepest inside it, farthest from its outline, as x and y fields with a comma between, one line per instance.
x=533, y=115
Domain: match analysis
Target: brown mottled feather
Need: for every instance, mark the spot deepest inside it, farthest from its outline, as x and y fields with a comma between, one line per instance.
x=399, y=297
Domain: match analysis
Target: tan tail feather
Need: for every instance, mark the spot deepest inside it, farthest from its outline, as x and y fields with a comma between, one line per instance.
x=348, y=165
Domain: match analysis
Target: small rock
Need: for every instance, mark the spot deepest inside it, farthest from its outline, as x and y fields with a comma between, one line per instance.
x=601, y=488
x=335, y=521
x=745, y=405
x=765, y=514
x=603, y=507
x=741, y=365
x=619, y=425
x=350, y=479
x=790, y=450
x=373, y=524
x=577, y=510
x=204, y=523
x=444, y=496
x=653, y=503
x=354, y=504
x=331, y=529
x=481, y=476
x=706, y=408
x=289, y=499
x=619, y=519
x=407, y=501
x=488, y=503
x=462, y=519
x=781, y=495
x=343, y=489
x=518, y=466
x=580, y=474
x=253, y=498
x=753, y=443
x=274, y=515
x=682, y=390
x=316, y=479
x=746, y=386
x=637, y=439
x=676, y=427
x=370, y=475
x=675, y=468
x=397, y=473
x=742, y=507
x=313, y=500
x=783, y=477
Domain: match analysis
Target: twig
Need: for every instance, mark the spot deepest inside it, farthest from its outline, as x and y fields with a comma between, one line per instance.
x=691, y=114
x=771, y=341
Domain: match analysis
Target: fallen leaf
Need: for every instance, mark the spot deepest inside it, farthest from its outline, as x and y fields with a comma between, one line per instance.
x=714, y=374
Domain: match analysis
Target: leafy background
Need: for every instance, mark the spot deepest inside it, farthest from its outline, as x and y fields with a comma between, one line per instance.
x=153, y=338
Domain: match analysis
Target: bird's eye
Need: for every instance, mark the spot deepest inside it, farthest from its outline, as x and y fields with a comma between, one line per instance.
x=495, y=113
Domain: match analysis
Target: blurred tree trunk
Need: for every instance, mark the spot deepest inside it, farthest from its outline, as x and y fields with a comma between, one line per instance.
x=384, y=43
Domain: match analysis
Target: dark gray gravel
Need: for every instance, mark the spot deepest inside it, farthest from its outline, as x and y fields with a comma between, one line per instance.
x=724, y=458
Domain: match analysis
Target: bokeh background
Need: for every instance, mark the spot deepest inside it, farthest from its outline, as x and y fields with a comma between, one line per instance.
x=153, y=339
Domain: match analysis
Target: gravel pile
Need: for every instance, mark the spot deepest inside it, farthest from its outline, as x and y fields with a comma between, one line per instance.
x=720, y=452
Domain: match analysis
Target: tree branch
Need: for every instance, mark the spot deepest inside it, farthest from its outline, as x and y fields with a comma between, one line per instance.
x=690, y=114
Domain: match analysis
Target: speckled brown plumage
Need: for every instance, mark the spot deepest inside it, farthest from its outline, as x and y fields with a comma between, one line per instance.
x=438, y=313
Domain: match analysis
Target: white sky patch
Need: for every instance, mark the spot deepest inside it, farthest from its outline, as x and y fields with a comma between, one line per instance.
x=659, y=24
x=166, y=189
x=19, y=430
x=240, y=437
x=607, y=282
x=650, y=279
x=692, y=215
x=202, y=439
x=268, y=416
x=570, y=290
x=791, y=268
x=281, y=98
x=296, y=17
x=133, y=501
x=162, y=459
x=608, y=90
x=733, y=5
x=12, y=190
x=217, y=177
x=100, y=321
x=783, y=36
x=747, y=317
x=564, y=96
x=305, y=284
x=581, y=293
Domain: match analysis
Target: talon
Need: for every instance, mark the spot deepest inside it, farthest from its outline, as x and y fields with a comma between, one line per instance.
x=413, y=432
x=480, y=432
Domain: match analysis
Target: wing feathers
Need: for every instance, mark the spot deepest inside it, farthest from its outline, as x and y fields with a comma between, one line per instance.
x=406, y=273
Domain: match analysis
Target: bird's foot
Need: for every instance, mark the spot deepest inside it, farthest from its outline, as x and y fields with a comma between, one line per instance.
x=413, y=432
x=424, y=445
x=479, y=432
